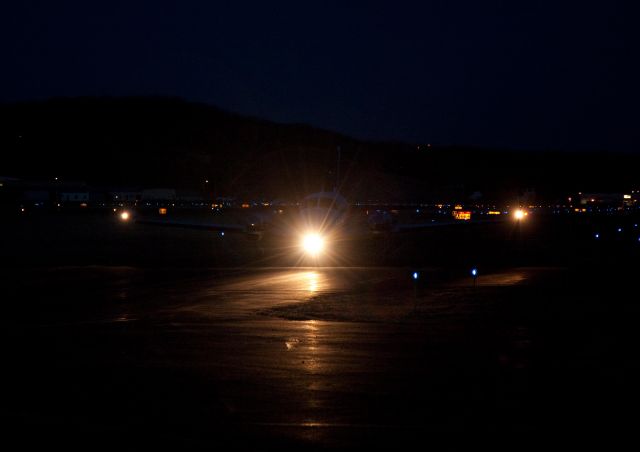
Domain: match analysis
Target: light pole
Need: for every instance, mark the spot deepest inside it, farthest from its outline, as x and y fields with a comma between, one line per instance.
x=474, y=275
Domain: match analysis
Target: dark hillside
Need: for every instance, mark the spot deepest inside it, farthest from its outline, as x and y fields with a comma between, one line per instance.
x=170, y=142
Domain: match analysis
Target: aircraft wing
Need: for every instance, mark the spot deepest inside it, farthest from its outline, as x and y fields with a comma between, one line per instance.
x=249, y=226
x=382, y=220
x=435, y=224
x=198, y=225
x=253, y=226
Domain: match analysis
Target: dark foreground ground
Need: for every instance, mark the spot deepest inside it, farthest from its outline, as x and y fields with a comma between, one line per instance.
x=140, y=338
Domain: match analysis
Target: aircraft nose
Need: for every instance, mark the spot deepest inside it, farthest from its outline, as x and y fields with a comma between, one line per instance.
x=318, y=219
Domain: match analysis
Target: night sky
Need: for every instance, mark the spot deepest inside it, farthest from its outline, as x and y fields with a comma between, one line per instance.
x=536, y=75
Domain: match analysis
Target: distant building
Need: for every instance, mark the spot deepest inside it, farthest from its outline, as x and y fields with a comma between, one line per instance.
x=632, y=199
x=594, y=202
x=159, y=195
x=605, y=199
x=73, y=196
x=226, y=201
x=189, y=197
x=125, y=195
x=36, y=196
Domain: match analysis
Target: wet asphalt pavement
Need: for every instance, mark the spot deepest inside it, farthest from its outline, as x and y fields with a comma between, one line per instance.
x=134, y=358
x=201, y=358
x=244, y=358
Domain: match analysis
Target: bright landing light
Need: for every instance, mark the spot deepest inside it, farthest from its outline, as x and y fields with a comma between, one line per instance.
x=313, y=244
x=124, y=216
x=519, y=214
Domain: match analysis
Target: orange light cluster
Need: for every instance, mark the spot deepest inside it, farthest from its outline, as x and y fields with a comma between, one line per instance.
x=464, y=215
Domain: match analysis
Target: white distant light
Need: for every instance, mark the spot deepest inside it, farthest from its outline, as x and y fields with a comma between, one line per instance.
x=597, y=236
x=222, y=233
x=619, y=229
x=415, y=275
x=474, y=272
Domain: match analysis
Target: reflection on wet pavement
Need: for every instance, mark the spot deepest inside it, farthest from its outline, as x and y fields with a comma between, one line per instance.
x=267, y=370
x=503, y=279
x=246, y=294
x=299, y=280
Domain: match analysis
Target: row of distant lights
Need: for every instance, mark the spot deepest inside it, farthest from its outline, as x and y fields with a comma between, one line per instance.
x=597, y=234
x=519, y=215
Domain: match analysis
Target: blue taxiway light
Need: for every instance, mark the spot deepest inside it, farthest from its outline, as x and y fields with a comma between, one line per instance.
x=222, y=234
x=619, y=229
x=597, y=236
x=415, y=275
x=474, y=272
